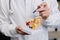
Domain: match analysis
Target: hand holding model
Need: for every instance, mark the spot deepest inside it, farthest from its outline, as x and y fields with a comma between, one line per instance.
x=43, y=14
x=35, y=22
x=44, y=11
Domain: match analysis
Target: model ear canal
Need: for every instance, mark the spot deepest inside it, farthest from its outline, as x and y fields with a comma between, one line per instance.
x=27, y=23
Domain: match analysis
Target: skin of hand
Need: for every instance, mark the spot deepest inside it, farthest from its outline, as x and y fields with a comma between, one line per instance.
x=43, y=10
x=19, y=31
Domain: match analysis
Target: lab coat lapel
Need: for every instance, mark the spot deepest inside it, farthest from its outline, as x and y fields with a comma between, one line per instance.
x=5, y=7
x=29, y=8
x=18, y=7
x=36, y=3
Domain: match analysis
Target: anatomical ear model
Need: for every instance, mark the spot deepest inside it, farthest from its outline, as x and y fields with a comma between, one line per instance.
x=34, y=23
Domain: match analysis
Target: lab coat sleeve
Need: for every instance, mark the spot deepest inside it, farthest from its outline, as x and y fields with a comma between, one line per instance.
x=54, y=19
x=5, y=27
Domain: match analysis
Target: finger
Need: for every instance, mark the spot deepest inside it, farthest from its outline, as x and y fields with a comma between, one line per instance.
x=43, y=4
x=40, y=9
x=44, y=14
x=19, y=30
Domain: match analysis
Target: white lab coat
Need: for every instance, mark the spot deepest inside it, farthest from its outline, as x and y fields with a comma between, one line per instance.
x=20, y=11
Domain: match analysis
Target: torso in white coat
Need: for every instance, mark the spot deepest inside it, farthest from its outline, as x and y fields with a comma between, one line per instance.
x=23, y=10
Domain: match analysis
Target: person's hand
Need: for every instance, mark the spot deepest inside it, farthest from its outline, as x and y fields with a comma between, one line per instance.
x=43, y=10
x=19, y=31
